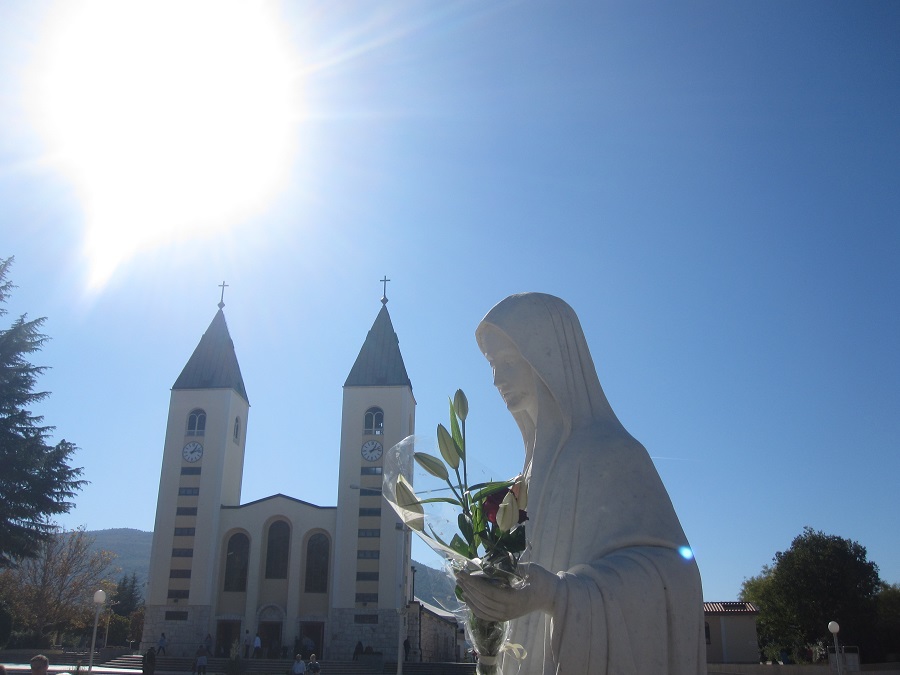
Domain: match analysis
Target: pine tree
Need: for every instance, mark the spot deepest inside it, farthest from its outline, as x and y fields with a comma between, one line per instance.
x=36, y=481
x=128, y=597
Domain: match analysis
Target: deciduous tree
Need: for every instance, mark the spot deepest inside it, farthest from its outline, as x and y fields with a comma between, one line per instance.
x=820, y=578
x=54, y=591
x=36, y=480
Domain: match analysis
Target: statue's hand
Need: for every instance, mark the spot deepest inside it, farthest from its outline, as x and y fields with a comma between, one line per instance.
x=493, y=602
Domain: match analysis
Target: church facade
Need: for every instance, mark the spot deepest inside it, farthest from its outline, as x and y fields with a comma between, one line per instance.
x=302, y=576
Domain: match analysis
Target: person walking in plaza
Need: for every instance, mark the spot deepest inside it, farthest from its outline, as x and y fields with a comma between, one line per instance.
x=148, y=663
x=200, y=665
x=298, y=668
x=161, y=644
x=257, y=647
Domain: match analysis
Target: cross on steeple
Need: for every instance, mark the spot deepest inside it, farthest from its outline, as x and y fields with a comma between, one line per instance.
x=384, y=292
x=223, y=286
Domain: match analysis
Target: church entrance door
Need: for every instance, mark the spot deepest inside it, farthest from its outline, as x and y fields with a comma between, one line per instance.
x=226, y=633
x=312, y=636
x=270, y=633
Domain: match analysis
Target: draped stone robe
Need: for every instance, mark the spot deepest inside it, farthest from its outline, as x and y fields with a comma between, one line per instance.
x=630, y=601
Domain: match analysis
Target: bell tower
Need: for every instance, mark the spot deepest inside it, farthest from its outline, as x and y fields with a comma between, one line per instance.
x=202, y=470
x=372, y=548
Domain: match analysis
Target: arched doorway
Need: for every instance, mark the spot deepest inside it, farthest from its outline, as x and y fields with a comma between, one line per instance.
x=271, y=627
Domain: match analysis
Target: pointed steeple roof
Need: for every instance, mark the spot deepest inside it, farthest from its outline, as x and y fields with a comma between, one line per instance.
x=213, y=365
x=379, y=363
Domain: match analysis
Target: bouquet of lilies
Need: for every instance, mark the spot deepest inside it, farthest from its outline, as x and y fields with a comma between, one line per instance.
x=491, y=535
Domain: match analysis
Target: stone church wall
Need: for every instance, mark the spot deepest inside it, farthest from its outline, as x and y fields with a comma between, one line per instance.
x=344, y=632
x=183, y=636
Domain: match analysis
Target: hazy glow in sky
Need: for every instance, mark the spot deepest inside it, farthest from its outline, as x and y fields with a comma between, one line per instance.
x=173, y=119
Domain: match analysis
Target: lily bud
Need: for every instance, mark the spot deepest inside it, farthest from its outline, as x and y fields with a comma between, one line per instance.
x=461, y=403
x=508, y=513
x=432, y=465
x=447, y=446
x=412, y=512
x=520, y=490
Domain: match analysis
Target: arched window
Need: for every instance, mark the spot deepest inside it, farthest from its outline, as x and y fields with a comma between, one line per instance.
x=374, y=422
x=236, y=563
x=277, y=550
x=196, y=422
x=317, y=551
x=237, y=429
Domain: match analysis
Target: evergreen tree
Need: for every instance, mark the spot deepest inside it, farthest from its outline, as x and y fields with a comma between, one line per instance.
x=36, y=481
x=128, y=597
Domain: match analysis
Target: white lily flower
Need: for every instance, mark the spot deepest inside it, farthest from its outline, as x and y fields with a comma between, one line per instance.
x=508, y=513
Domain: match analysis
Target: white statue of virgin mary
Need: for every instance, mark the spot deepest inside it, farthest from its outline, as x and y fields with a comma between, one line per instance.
x=613, y=587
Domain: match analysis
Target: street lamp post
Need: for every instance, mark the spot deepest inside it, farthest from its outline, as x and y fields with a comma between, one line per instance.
x=99, y=599
x=833, y=628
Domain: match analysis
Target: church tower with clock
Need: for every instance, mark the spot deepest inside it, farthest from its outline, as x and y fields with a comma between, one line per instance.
x=202, y=470
x=303, y=577
x=372, y=548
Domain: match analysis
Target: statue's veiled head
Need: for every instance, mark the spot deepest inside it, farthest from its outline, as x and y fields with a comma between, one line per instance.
x=542, y=332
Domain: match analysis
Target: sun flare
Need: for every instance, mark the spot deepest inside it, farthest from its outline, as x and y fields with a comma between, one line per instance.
x=173, y=119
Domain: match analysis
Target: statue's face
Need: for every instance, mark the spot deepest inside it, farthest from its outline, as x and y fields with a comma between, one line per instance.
x=513, y=375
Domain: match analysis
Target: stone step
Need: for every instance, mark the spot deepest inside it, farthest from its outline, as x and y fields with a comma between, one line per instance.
x=282, y=667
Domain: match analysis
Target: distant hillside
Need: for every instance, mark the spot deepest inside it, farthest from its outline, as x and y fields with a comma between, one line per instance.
x=433, y=586
x=132, y=548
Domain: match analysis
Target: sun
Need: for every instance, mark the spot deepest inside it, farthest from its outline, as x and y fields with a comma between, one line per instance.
x=173, y=119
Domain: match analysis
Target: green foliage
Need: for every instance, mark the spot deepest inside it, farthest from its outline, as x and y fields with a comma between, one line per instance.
x=119, y=628
x=887, y=610
x=491, y=514
x=820, y=578
x=36, y=482
x=127, y=597
x=5, y=624
x=136, y=629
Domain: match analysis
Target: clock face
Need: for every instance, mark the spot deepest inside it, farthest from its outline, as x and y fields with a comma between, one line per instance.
x=371, y=450
x=192, y=452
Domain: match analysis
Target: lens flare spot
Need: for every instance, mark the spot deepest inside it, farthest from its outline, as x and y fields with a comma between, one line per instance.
x=686, y=552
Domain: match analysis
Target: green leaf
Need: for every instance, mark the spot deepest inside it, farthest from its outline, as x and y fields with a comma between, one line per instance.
x=514, y=540
x=487, y=489
x=461, y=547
x=432, y=465
x=456, y=433
x=445, y=500
x=447, y=446
x=465, y=526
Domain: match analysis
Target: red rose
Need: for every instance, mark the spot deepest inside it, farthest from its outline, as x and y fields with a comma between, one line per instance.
x=492, y=504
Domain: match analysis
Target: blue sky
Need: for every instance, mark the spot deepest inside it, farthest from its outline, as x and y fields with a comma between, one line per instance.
x=712, y=186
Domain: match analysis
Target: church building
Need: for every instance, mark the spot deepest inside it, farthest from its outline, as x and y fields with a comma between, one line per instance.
x=321, y=578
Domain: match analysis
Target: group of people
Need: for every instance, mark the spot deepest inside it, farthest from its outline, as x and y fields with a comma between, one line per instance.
x=201, y=656
x=300, y=667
